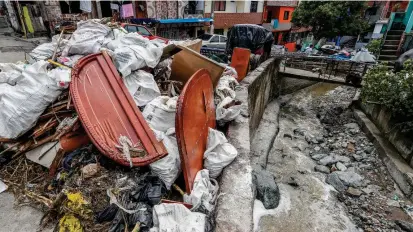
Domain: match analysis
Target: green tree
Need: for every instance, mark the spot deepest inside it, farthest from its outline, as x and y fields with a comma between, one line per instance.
x=331, y=18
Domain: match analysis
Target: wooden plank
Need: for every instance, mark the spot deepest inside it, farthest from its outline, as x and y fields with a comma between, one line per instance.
x=187, y=62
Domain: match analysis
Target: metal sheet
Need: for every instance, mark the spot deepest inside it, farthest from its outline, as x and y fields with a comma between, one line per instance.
x=195, y=114
x=240, y=61
x=107, y=111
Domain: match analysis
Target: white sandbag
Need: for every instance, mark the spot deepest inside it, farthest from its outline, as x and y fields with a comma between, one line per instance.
x=135, y=51
x=22, y=104
x=112, y=39
x=169, y=167
x=61, y=76
x=363, y=56
x=11, y=73
x=160, y=113
x=204, y=193
x=177, y=218
x=87, y=39
x=225, y=113
x=45, y=51
x=219, y=153
x=142, y=87
x=226, y=87
x=18, y=66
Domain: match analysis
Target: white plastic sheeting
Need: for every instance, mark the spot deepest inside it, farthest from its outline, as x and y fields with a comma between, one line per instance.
x=87, y=39
x=219, y=153
x=363, y=56
x=169, y=167
x=142, y=87
x=226, y=111
x=23, y=103
x=160, y=113
x=134, y=52
x=177, y=218
x=204, y=193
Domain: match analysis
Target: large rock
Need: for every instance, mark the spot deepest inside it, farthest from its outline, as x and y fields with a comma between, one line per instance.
x=318, y=156
x=321, y=168
x=335, y=181
x=267, y=189
x=350, y=178
x=332, y=159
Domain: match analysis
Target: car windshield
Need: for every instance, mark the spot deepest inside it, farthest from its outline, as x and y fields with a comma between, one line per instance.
x=205, y=36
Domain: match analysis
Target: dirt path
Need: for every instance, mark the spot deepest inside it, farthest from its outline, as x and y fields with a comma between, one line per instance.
x=329, y=175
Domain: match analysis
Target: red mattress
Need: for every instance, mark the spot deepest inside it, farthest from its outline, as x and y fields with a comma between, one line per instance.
x=107, y=111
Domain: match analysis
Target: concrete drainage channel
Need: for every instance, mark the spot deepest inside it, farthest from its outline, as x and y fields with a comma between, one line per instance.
x=303, y=154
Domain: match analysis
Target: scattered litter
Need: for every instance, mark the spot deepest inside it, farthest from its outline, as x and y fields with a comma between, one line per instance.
x=90, y=170
x=69, y=223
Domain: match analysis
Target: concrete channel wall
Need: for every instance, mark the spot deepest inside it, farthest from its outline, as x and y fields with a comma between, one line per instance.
x=235, y=202
x=384, y=121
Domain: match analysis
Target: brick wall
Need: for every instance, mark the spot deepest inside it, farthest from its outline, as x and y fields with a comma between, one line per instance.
x=226, y=20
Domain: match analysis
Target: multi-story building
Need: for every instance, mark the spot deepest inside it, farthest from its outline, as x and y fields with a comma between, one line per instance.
x=228, y=13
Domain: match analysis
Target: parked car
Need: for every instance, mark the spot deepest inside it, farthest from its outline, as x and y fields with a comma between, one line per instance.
x=213, y=41
x=142, y=30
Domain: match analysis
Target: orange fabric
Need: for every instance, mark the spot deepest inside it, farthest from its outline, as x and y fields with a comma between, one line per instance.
x=240, y=61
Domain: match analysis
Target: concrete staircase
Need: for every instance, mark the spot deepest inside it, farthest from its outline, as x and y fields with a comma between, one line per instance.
x=389, y=48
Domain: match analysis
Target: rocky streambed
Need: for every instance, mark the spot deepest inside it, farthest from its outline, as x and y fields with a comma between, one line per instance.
x=329, y=175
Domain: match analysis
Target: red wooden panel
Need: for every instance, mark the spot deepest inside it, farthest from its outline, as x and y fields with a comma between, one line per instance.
x=240, y=61
x=107, y=111
x=195, y=114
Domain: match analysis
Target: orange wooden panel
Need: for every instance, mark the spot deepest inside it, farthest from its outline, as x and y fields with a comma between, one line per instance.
x=240, y=61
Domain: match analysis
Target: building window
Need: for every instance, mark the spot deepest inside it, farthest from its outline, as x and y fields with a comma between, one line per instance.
x=286, y=15
x=254, y=6
x=70, y=7
x=219, y=31
x=219, y=5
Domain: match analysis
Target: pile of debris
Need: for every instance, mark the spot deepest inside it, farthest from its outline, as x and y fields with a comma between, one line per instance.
x=98, y=125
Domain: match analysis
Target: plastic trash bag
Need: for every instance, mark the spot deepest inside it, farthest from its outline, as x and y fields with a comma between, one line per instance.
x=248, y=36
x=169, y=167
x=363, y=56
x=177, y=218
x=108, y=214
x=135, y=52
x=150, y=189
x=22, y=104
x=87, y=39
x=69, y=61
x=143, y=216
x=142, y=87
x=219, y=153
x=204, y=193
x=160, y=113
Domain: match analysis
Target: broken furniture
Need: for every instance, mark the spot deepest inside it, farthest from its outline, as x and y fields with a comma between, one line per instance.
x=108, y=112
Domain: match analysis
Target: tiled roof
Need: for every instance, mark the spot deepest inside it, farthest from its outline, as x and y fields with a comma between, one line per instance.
x=225, y=20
